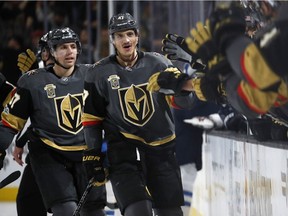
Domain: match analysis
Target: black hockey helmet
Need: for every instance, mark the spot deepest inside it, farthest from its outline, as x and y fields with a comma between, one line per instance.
x=255, y=9
x=63, y=35
x=122, y=22
x=42, y=44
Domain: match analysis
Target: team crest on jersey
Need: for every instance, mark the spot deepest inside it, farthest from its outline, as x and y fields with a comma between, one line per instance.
x=114, y=81
x=136, y=104
x=50, y=90
x=68, y=109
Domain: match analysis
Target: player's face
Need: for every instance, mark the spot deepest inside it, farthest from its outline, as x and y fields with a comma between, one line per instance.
x=66, y=54
x=125, y=42
x=45, y=54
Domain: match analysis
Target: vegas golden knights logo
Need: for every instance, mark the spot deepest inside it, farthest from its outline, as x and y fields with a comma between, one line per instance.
x=136, y=104
x=68, y=110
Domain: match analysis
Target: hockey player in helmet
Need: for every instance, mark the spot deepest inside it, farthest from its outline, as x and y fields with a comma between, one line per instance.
x=126, y=53
x=134, y=119
x=29, y=199
x=63, y=36
x=29, y=61
x=43, y=52
x=256, y=80
x=52, y=97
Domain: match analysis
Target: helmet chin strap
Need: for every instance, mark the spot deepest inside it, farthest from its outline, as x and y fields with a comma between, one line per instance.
x=58, y=63
x=126, y=62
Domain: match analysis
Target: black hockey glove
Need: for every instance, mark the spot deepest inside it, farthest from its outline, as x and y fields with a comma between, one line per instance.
x=27, y=61
x=208, y=88
x=236, y=122
x=175, y=48
x=226, y=23
x=93, y=161
x=169, y=81
x=261, y=128
x=279, y=131
x=2, y=157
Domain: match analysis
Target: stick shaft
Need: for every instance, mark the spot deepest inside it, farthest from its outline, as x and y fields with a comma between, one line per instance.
x=84, y=197
x=10, y=178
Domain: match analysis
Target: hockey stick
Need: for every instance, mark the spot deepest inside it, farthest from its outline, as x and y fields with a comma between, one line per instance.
x=84, y=197
x=10, y=178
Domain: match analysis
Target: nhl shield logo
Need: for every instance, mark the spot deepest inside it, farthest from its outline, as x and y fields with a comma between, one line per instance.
x=114, y=81
x=50, y=90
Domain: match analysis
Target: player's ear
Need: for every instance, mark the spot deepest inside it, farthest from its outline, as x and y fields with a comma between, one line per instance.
x=111, y=39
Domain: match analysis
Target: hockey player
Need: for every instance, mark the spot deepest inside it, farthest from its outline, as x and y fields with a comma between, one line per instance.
x=253, y=82
x=259, y=66
x=133, y=118
x=188, y=137
x=52, y=98
x=29, y=200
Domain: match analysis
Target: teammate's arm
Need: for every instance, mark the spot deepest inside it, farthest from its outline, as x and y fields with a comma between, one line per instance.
x=92, y=118
x=14, y=116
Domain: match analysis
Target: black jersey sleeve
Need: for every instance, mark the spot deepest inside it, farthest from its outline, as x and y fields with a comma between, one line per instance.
x=18, y=110
x=6, y=91
x=14, y=116
x=93, y=115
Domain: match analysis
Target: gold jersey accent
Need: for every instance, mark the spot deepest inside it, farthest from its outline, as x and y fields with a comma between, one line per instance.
x=13, y=121
x=154, y=143
x=256, y=99
x=88, y=117
x=9, y=96
x=64, y=148
x=257, y=70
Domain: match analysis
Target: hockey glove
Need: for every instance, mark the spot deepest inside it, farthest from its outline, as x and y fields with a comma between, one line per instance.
x=201, y=42
x=226, y=23
x=93, y=161
x=27, y=61
x=236, y=122
x=261, y=128
x=2, y=157
x=279, y=131
x=208, y=88
x=175, y=48
x=169, y=81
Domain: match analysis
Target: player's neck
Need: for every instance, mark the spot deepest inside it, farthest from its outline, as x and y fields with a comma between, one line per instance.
x=127, y=62
x=62, y=72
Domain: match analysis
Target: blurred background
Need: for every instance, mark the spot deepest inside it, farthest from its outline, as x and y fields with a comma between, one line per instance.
x=22, y=23
x=241, y=176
